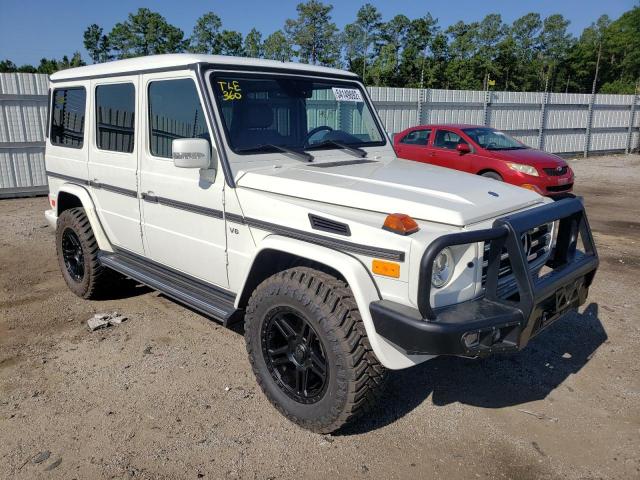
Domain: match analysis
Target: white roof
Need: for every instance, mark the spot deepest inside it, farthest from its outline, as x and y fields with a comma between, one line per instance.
x=159, y=62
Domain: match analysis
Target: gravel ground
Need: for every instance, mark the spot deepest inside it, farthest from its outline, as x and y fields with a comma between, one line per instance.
x=170, y=394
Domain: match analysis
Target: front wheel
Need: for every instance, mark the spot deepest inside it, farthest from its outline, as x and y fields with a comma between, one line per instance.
x=492, y=175
x=309, y=350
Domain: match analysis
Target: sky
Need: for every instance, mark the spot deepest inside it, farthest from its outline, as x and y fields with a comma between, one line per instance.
x=33, y=29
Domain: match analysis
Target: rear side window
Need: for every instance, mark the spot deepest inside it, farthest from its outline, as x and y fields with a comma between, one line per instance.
x=67, y=117
x=417, y=137
x=447, y=139
x=174, y=112
x=115, y=117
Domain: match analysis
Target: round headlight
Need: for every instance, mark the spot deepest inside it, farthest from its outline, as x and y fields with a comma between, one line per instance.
x=442, y=268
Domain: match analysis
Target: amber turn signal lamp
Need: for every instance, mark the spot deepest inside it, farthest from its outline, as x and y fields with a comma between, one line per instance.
x=528, y=186
x=388, y=269
x=400, y=223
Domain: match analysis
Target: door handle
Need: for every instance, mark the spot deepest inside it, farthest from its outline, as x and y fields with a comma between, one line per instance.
x=149, y=196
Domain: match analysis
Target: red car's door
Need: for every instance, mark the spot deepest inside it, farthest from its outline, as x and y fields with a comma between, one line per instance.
x=443, y=151
x=413, y=145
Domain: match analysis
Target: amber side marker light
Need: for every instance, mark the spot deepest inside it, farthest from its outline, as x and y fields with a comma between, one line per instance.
x=388, y=269
x=400, y=223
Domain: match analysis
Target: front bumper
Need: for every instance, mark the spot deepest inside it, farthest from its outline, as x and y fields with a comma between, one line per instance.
x=491, y=324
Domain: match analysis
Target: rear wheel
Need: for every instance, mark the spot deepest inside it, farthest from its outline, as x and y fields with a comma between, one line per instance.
x=309, y=350
x=492, y=175
x=77, y=251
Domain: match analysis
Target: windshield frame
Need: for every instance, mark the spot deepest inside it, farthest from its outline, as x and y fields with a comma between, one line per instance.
x=211, y=76
x=519, y=146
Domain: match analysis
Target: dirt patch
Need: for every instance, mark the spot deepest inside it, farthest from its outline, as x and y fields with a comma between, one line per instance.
x=170, y=394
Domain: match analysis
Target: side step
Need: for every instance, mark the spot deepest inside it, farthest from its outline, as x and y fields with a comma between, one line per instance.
x=208, y=299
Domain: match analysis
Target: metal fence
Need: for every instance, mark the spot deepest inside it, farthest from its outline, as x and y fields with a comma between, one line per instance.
x=23, y=118
x=563, y=123
x=571, y=124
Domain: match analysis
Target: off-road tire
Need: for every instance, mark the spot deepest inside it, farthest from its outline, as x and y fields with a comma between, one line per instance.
x=493, y=176
x=355, y=376
x=96, y=279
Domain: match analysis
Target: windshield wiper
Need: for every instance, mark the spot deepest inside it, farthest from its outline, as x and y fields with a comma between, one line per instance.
x=358, y=152
x=307, y=157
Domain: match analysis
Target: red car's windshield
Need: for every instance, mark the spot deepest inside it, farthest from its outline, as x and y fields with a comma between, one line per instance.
x=493, y=139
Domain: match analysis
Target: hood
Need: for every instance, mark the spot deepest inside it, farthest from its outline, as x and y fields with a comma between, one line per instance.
x=425, y=192
x=529, y=156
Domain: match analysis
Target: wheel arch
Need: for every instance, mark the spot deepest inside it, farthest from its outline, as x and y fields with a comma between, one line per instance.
x=346, y=267
x=487, y=170
x=75, y=196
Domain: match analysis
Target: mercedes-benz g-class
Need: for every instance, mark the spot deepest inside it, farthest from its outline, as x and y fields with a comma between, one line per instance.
x=270, y=192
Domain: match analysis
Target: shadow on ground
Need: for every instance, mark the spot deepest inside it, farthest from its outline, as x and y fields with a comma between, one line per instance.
x=493, y=382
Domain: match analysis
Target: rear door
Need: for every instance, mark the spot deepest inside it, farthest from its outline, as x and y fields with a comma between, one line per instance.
x=443, y=151
x=413, y=145
x=113, y=159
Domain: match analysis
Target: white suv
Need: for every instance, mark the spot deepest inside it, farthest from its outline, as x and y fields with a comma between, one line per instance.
x=270, y=192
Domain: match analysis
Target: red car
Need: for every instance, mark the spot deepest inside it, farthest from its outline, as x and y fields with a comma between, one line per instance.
x=488, y=152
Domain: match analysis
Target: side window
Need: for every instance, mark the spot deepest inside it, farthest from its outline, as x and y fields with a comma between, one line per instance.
x=417, y=137
x=447, y=139
x=67, y=117
x=174, y=112
x=115, y=117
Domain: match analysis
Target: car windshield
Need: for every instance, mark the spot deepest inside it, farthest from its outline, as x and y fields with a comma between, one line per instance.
x=261, y=113
x=493, y=139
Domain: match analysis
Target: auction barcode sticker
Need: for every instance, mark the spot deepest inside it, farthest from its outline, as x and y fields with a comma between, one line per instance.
x=347, y=94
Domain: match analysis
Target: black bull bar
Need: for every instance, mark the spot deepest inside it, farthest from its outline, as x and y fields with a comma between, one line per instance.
x=490, y=324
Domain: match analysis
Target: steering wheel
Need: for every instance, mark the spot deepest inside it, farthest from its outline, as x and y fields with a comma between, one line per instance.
x=313, y=131
x=490, y=145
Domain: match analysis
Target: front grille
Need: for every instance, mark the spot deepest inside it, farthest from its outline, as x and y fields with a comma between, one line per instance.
x=554, y=172
x=560, y=188
x=537, y=243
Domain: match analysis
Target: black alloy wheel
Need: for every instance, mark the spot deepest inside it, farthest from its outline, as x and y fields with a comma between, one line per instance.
x=73, y=255
x=294, y=355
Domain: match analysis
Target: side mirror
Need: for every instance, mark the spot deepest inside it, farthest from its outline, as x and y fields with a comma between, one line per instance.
x=191, y=153
x=463, y=148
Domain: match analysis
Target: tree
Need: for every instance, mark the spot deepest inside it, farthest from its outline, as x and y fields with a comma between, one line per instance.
x=277, y=47
x=73, y=62
x=230, y=43
x=253, y=44
x=314, y=34
x=146, y=33
x=415, y=66
x=97, y=44
x=206, y=34
x=7, y=66
x=519, y=53
x=48, y=66
x=555, y=46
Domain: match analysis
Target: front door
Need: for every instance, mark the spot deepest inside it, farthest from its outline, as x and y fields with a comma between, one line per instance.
x=113, y=159
x=443, y=151
x=182, y=208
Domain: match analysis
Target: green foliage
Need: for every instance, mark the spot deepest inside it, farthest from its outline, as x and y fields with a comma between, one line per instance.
x=230, y=43
x=206, y=34
x=97, y=44
x=530, y=54
x=253, y=44
x=145, y=33
x=314, y=34
x=277, y=47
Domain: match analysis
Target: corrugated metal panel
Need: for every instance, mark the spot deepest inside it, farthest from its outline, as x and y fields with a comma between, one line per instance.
x=23, y=113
